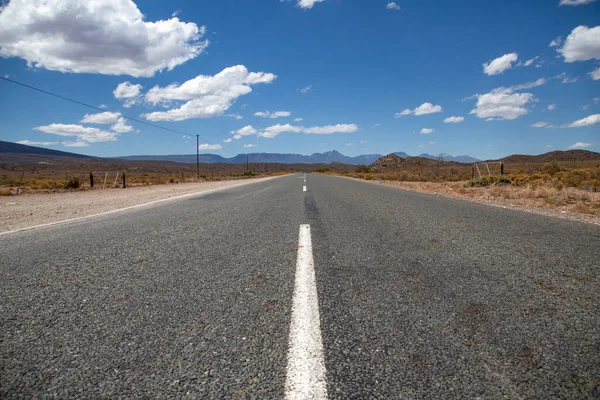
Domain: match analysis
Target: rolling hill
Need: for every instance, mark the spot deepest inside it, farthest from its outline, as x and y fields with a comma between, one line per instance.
x=569, y=155
x=16, y=148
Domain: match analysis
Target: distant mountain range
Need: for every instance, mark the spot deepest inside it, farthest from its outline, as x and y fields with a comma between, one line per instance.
x=316, y=158
x=9, y=147
x=275, y=158
x=278, y=158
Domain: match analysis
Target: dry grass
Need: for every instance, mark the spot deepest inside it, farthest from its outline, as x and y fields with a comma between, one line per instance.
x=568, y=199
x=55, y=181
x=569, y=186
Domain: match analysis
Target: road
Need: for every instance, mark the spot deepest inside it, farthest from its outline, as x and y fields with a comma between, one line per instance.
x=405, y=296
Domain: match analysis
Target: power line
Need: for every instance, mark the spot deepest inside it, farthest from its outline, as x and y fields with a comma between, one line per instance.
x=104, y=110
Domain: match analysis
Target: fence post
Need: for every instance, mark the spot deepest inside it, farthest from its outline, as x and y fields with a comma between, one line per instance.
x=91, y=179
x=501, y=168
x=472, y=172
x=20, y=183
x=124, y=184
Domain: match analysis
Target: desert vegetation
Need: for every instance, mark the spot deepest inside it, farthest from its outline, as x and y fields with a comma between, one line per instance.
x=572, y=185
x=38, y=174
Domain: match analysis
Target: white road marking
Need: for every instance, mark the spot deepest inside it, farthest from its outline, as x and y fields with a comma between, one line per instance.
x=306, y=367
x=65, y=221
x=304, y=188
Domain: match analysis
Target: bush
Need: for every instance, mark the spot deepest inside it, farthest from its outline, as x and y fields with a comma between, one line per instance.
x=248, y=173
x=72, y=183
x=558, y=185
x=503, y=180
x=322, y=170
x=483, y=181
x=551, y=168
x=5, y=192
x=363, y=169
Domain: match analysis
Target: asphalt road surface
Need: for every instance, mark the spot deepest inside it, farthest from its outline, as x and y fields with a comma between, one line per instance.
x=385, y=294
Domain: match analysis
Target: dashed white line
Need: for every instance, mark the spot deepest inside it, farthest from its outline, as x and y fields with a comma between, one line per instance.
x=306, y=367
x=304, y=188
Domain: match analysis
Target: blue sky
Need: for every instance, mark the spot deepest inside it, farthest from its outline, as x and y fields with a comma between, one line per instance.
x=483, y=78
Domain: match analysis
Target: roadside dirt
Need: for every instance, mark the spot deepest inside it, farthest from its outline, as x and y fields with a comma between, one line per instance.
x=28, y=210
x=516, y=200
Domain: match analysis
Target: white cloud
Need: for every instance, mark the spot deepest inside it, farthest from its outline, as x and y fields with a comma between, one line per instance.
x=596, y=100
x=595, y=74
x=548, y=146
x=427, y=131
x=501, y=103
x=205, y=96
x=121, y=126
x=349, y=144
x=540, y=124
x=176, y=13
x=530, y=61
x=98, y=37
x=403, y=113
x=305, y=89
x=249, y=145
x=392, y=6
x=552, y=107
x=297, y=119
x=32, y=143
x=454, y=120
x=128, y=92
x=106, y=118
x=75, y=144
x=363, y=142
x=579, y=145
x=423, y=109
x=228, y=140
x=500, y=64
x=103, y=118
x=273, y=131
x=82, y=133
x=528, y=85
x=275, y=114
x=236, y=116
x=103, y=106
x=331, y=129
x=206, y=146
x=556, y=42
x=308, y=4
x=585, y=107
x=575, y=2
x=245, y=131
x=582, y=44
x=587, y=121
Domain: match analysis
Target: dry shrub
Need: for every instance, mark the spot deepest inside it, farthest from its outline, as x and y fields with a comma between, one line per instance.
x=5, y=192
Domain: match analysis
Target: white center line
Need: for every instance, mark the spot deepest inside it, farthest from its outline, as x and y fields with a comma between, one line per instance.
x=304, y=188
x=306, y=367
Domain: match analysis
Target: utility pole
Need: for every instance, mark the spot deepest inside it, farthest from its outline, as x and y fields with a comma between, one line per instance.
x=246, y=163
x=198, y=156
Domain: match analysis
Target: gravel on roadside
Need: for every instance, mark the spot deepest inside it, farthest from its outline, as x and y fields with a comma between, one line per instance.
x=28, y=210
x=590, y=219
